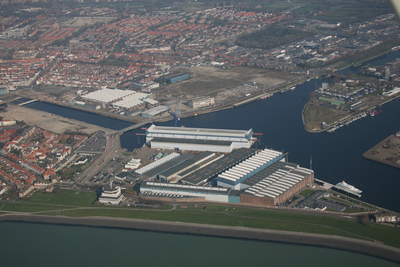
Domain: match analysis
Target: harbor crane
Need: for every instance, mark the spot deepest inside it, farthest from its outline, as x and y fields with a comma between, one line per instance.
x=177, y=113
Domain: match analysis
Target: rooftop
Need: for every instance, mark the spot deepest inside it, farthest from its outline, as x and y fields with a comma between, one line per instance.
x=198, y=131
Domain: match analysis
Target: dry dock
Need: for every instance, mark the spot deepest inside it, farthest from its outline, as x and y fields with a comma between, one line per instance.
x=386, y=152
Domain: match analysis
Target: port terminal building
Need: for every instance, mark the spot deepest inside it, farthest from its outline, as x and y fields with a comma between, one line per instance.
x=198, y=139
x=111, y=195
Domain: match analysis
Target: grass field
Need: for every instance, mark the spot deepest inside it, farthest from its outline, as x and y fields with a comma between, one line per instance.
x=65, y=197
x=314, y=115
x=27, y=207
x=307, y=193
x=167, y=207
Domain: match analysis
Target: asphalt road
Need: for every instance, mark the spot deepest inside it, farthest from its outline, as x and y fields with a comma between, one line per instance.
x=113, y=145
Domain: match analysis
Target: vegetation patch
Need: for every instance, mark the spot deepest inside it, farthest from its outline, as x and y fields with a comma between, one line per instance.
x=27, y=207
x=167, y=207
x=271, y=37
x=307, y=193
x=315, y=114
x=65, y=197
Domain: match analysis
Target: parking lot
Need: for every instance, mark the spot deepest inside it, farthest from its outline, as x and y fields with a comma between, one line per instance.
x=96, y=144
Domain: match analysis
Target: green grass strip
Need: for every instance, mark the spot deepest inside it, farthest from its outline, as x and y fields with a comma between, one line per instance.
x=26, y=207
x=65, y=197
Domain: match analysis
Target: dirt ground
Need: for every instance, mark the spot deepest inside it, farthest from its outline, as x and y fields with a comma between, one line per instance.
x=216, y=81
x=47, y=121
x=315, y=115
x=386, y=152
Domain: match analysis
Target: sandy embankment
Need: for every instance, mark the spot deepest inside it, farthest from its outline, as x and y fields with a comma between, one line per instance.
x=355, y=245
x=48, y=121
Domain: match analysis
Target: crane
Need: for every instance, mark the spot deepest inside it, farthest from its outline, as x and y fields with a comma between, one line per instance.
x=176, y=119
x=177, y=113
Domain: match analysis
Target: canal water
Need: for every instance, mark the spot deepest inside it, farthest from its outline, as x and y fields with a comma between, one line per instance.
x=60, y=245
x=335, y=157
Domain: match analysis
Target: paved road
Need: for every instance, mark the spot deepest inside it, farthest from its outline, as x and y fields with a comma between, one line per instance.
x=113, y=145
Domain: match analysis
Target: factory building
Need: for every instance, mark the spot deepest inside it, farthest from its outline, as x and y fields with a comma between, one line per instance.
x=177, y=78
x=198, y=139
x=210, y=171
x=234, y=177
x=152, y=170
x=202, y=101
x=155, y=112
x=131, y=102
x=121, y=99
x=180, y=192
x=175, y=173
x=263, y=179
x=106, y=97
x=275, y=184
x=4, y=90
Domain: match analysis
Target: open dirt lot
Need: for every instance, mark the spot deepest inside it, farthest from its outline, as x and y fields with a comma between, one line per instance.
x=210, y=81
x=386, y=152
x=48, y=121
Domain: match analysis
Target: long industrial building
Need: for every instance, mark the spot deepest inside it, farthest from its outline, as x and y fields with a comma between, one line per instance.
x=198, y=139
x=272, y=186
x=259, y=179
x=234, y=177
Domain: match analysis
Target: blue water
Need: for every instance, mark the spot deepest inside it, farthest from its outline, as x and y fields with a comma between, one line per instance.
x=24, y=244
x=80, y=115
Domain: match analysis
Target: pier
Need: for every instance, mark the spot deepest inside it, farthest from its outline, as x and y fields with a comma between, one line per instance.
x=248, y=100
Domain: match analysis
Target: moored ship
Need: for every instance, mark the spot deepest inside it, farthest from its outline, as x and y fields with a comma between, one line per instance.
x=375, y=112
x=347, y=187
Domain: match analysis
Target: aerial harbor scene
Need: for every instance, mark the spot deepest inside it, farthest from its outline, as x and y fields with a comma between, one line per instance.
x=199, y=126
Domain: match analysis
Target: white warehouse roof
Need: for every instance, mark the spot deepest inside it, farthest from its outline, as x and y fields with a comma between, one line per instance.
x=131, y=101
x=107, y=95
x=199, y=131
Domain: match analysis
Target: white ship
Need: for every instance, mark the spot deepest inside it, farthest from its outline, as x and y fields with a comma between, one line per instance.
x=348, y=187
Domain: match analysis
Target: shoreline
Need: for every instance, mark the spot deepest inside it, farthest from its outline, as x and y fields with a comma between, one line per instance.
x=343, y=243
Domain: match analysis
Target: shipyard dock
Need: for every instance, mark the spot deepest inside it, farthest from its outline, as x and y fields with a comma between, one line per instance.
x=386, y=152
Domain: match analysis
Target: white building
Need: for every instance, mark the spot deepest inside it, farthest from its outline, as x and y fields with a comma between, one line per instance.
x=198, y=139
x=111, y=195
x=202, y=101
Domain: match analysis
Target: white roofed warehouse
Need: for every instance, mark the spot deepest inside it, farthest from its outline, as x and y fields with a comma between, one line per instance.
x=126, y=100
x=262, y=179
x=198, y=139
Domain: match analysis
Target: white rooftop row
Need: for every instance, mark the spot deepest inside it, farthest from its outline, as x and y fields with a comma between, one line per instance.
x=198, y=131
x=278, y=182
x=188, y=186
x=157, y=163
x=131, y=100
x=107, y=95
x=249, y=165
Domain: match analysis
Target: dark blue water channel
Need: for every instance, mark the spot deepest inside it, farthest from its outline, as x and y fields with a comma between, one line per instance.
x=335, y=157
x=26, y=244
x=80, y=115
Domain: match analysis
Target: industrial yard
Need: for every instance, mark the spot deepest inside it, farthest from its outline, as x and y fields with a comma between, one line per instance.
x=386, y=152
x=222, y=83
